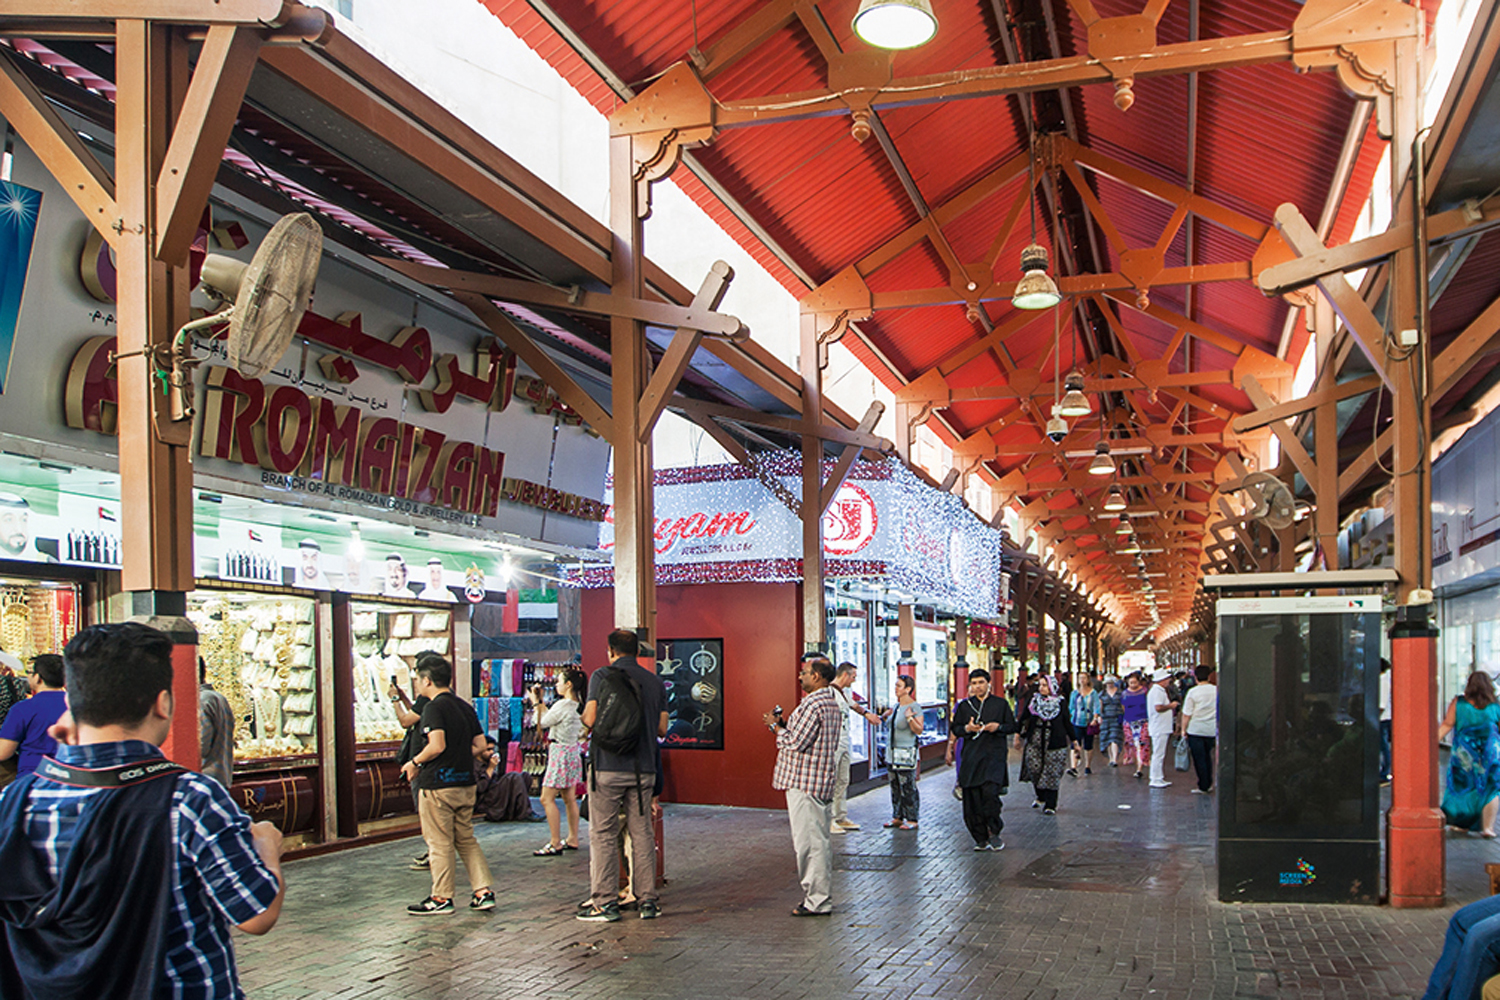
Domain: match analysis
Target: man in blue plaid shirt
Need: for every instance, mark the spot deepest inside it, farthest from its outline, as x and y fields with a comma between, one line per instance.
x=124, y=872
x=807, y=750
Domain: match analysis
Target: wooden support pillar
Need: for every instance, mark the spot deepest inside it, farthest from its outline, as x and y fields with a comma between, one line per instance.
x=1416, y=852
x=814, y=617
x=156, y=475
x=635, y=552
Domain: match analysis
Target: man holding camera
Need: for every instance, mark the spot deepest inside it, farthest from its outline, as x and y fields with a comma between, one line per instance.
x=807, y=749
x=123, y=870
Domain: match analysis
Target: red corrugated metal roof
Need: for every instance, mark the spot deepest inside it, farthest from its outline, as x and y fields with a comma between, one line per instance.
x=1265, y=135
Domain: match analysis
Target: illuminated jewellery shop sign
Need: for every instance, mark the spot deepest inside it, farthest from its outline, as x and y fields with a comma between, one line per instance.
x=318, y=436
x=720, y=524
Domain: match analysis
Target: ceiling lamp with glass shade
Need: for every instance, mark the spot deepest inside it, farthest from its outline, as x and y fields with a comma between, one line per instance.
x=895, y=24
x=1114, y=500
x=1103, y=464
x=1074, y=403
x=1036, y=289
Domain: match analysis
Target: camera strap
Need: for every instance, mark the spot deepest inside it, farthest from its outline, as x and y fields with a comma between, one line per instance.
x=120, y=776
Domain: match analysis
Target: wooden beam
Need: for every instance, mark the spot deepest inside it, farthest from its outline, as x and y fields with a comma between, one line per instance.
x=679, y=353
x=209, y=111
x=791, y=425
x=532, y=293
x=1476, y=340
x=746, y=36
x=747, y=458
x=845, y=463
x=1443, y=226
x=64, y=155
x=540, y=362
x=1344, y=298
x=1355, y=471
x=1282, y=411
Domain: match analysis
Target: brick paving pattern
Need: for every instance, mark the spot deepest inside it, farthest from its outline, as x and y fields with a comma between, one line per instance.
x=1097, y=901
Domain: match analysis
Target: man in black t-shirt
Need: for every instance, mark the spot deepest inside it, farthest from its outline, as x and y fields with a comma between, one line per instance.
x=409, y=714
x=442, y=772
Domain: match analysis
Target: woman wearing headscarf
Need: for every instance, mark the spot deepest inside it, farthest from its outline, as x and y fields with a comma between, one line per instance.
x=1471, y=794
x=1049, y=735
x=1111, y=720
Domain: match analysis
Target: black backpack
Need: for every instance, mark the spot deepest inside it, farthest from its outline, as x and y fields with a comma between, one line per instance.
x=619, y=721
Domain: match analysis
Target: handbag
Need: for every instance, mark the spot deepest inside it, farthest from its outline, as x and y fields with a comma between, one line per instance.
x=1182, y=761
x=905, y=758
x=1092, y=729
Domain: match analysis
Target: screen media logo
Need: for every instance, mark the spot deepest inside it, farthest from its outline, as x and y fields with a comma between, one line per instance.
x=1304, y=875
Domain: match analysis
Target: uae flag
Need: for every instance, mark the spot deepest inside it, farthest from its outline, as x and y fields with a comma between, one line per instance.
x=536, y=611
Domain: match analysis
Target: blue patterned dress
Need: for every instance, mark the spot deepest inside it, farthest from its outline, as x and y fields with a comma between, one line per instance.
x=1473, y=766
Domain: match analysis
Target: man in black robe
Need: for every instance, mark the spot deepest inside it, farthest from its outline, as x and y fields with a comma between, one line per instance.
x=982, y=721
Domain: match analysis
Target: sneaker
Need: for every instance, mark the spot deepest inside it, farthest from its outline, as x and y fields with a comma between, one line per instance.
x=983, y=847
x=482, y=900
x=1036, y=803
x=847, y=824
x=996, y=844
x=1073, y=771
x=1199, y=791
x=1114, y=764
x=1049, y=812
x=958, y=792
x=1161, y=784
x=650, y=909
x=835, y=828
x=431, y=906
x=1088, y=770
x=609, y=913
x=420, y=864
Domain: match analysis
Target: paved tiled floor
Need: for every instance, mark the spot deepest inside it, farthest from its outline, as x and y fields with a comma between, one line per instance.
x=1095, y=902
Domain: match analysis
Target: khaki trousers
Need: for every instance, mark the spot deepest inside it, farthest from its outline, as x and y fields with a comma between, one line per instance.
x=611, y=793
x=447, y=816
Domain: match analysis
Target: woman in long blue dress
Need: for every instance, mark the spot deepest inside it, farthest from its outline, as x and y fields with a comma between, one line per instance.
x=1471, y=796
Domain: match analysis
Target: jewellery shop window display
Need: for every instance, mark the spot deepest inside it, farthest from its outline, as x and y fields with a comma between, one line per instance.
x=37, y=616
x=387, y=639
x=260, y=651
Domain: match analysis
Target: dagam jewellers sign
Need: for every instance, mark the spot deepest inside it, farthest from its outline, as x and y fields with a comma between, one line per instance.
x=718, y=524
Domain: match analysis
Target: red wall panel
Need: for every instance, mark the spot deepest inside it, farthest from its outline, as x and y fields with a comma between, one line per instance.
x=761, y=626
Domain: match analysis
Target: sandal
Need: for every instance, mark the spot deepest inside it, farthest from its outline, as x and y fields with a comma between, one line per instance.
x=570, y=847
x=907, y=826
x=892, y=823
x=547, y=852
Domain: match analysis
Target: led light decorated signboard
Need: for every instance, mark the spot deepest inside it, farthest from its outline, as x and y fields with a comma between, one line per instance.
x=720, y=524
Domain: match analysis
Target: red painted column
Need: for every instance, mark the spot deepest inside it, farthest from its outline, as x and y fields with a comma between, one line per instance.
x=182, y=741
x=1415, y=849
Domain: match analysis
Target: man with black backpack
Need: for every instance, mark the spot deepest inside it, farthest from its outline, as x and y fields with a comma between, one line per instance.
x=626, y=714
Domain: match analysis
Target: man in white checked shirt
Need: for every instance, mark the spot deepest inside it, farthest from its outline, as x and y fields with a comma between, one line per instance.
x=807, y=749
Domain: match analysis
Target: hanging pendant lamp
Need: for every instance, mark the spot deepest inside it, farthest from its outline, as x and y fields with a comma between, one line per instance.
x=1114, y=500
x=1036, y=289
x=1074, y=403
x=895, y=24
x=1103, y=464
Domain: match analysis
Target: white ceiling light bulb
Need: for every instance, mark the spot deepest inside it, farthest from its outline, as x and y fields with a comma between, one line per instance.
x=895, y=24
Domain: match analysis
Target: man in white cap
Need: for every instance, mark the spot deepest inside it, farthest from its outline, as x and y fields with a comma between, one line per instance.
x=1159, y=708
x=15, y=531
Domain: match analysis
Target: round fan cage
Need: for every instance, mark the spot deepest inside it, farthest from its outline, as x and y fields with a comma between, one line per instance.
x=274, y=294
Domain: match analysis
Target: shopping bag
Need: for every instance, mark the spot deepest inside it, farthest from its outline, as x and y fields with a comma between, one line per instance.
x=1183, y=761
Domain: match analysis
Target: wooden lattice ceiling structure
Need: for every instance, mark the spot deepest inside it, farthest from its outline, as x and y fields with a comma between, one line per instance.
x=892, y=195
